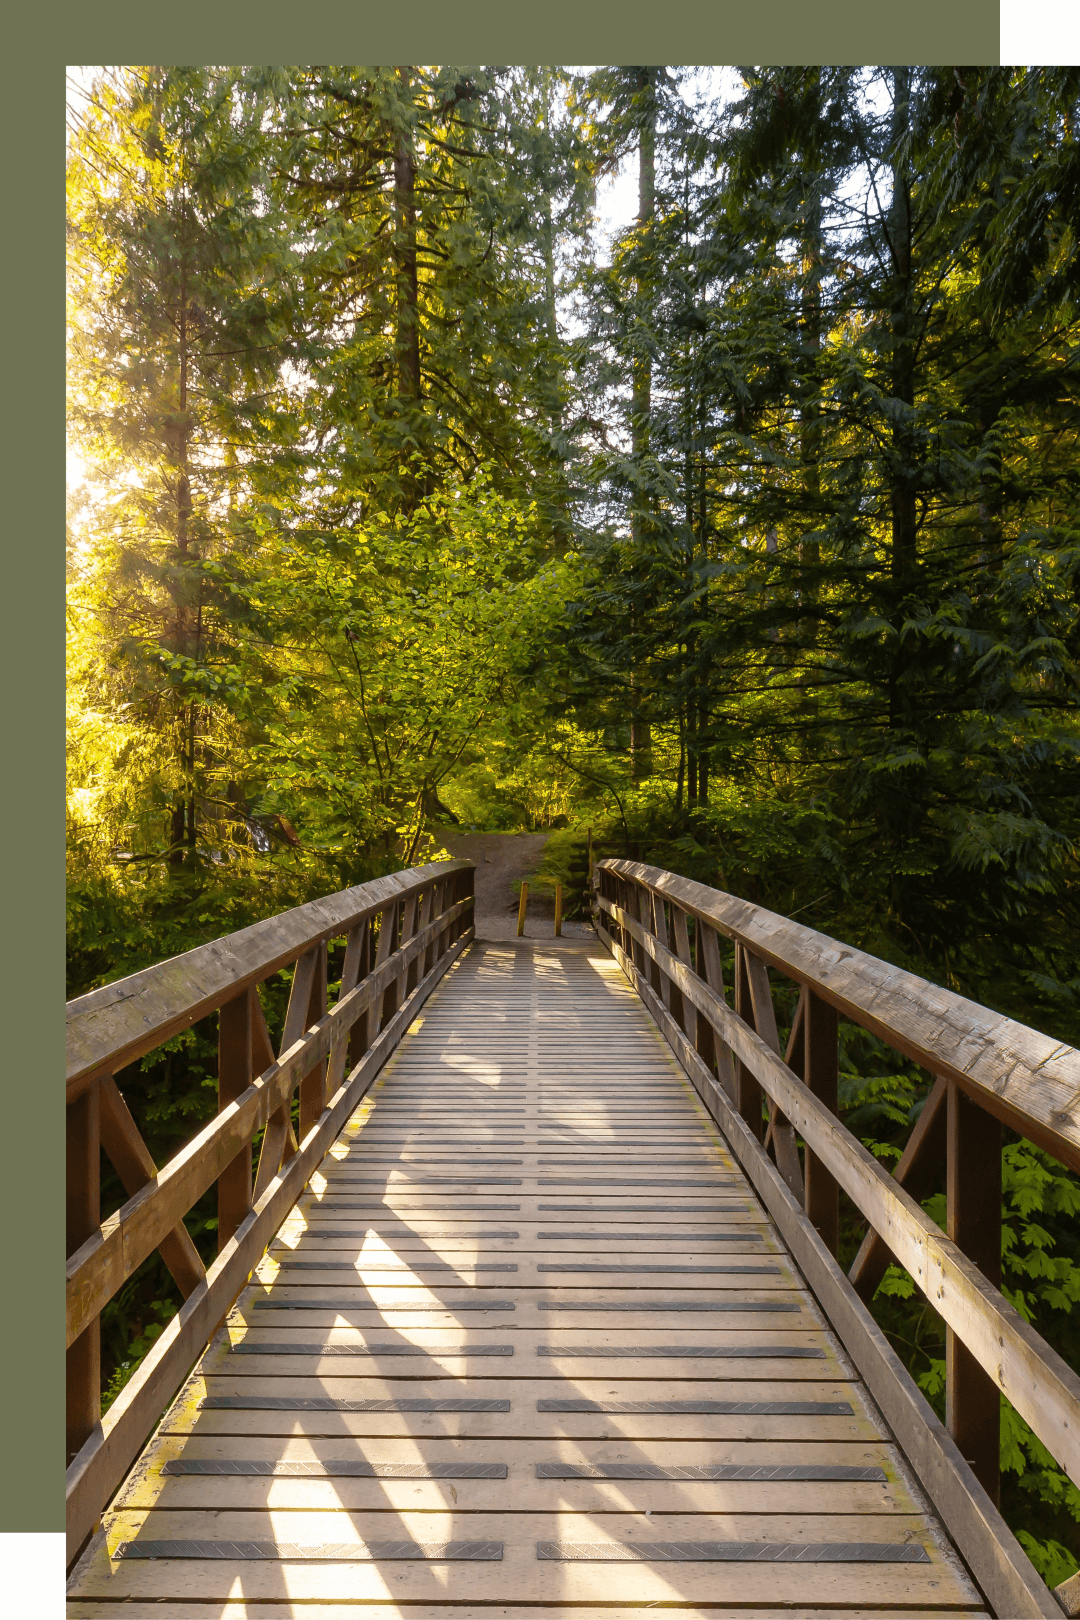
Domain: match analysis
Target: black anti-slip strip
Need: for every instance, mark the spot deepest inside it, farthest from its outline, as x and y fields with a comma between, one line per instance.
x=666, y=1237
x=404, y=1138
x=707, y=1161
x=733, y=1552
x=325, y=1403
x=708, y=1408
x=336, y=1180
x=704, y=1183
x=244, y=1348
x=641, y=1271
x=326, y=1552
x=378, y=1203
x=722, y=1352
x=403, y=1271
x=642, y=1209
x=736, y=1305
x=710, y=1471
x=332, y=1468
x=331, y=1231
x=371, y=1305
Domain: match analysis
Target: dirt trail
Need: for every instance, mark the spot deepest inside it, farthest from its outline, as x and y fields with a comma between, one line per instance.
x=501, y=860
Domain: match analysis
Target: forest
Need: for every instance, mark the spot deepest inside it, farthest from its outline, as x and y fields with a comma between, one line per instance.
x=746, y=539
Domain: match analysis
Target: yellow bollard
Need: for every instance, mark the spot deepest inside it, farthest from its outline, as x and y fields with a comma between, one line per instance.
x=558, y=910
x=521, y=909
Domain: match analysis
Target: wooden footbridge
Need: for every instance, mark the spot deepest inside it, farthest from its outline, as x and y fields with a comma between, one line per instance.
x=530, y=1308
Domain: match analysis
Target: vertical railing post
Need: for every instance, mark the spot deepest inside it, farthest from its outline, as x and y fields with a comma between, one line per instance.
x=648, y=907
x=359, y=1038
x=351, y=970
x=438, y=901
x=973, y=1180
x=83, y=1219
x=468, y=892
x=637, y=908
x=410, y=921
x=234, y=1076
x=684, y=1012
x=442, y=939
x=711, y=970
x=313, y=1084
x=748, y=1092
x=427, y=903
x=388, y=937
x=821, y=1072
x=617, y=890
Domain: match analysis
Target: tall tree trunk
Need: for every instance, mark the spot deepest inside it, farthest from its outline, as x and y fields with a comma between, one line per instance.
x=182, y=824
x=902, y=369
x=641, y=401
x=813, y=252
x=407, y=334
x=903, y=332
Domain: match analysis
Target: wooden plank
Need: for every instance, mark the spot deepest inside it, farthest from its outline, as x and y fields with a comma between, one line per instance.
x=1029, y=1373
x=741, y=1245
x=122, y=1021
x=1025, y=1078
x=1004, y=1573
x=229, y=1472
x=243, y=1610
x=519, y=1574
x=672, y=1272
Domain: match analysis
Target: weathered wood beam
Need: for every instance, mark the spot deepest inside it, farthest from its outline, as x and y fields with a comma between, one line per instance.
x=117, y=1438
x=111, y=1027
x=1044, y=1390
x=1028, y=1080
x=996, y=1559
x=119, y=1245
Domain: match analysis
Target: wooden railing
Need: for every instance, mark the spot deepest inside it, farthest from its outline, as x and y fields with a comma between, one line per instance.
x=988, y=1071
x=401, y=933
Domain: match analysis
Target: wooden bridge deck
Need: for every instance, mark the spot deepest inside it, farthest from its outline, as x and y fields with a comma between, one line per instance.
x=528, y=1346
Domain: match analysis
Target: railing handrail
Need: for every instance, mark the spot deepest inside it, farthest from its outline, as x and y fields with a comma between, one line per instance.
x=1023, y=1077
x=329, y=1054
x=663, y=931
x=114, y=1025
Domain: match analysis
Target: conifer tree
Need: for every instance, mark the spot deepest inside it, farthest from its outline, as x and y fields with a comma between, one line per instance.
x=181, y=311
